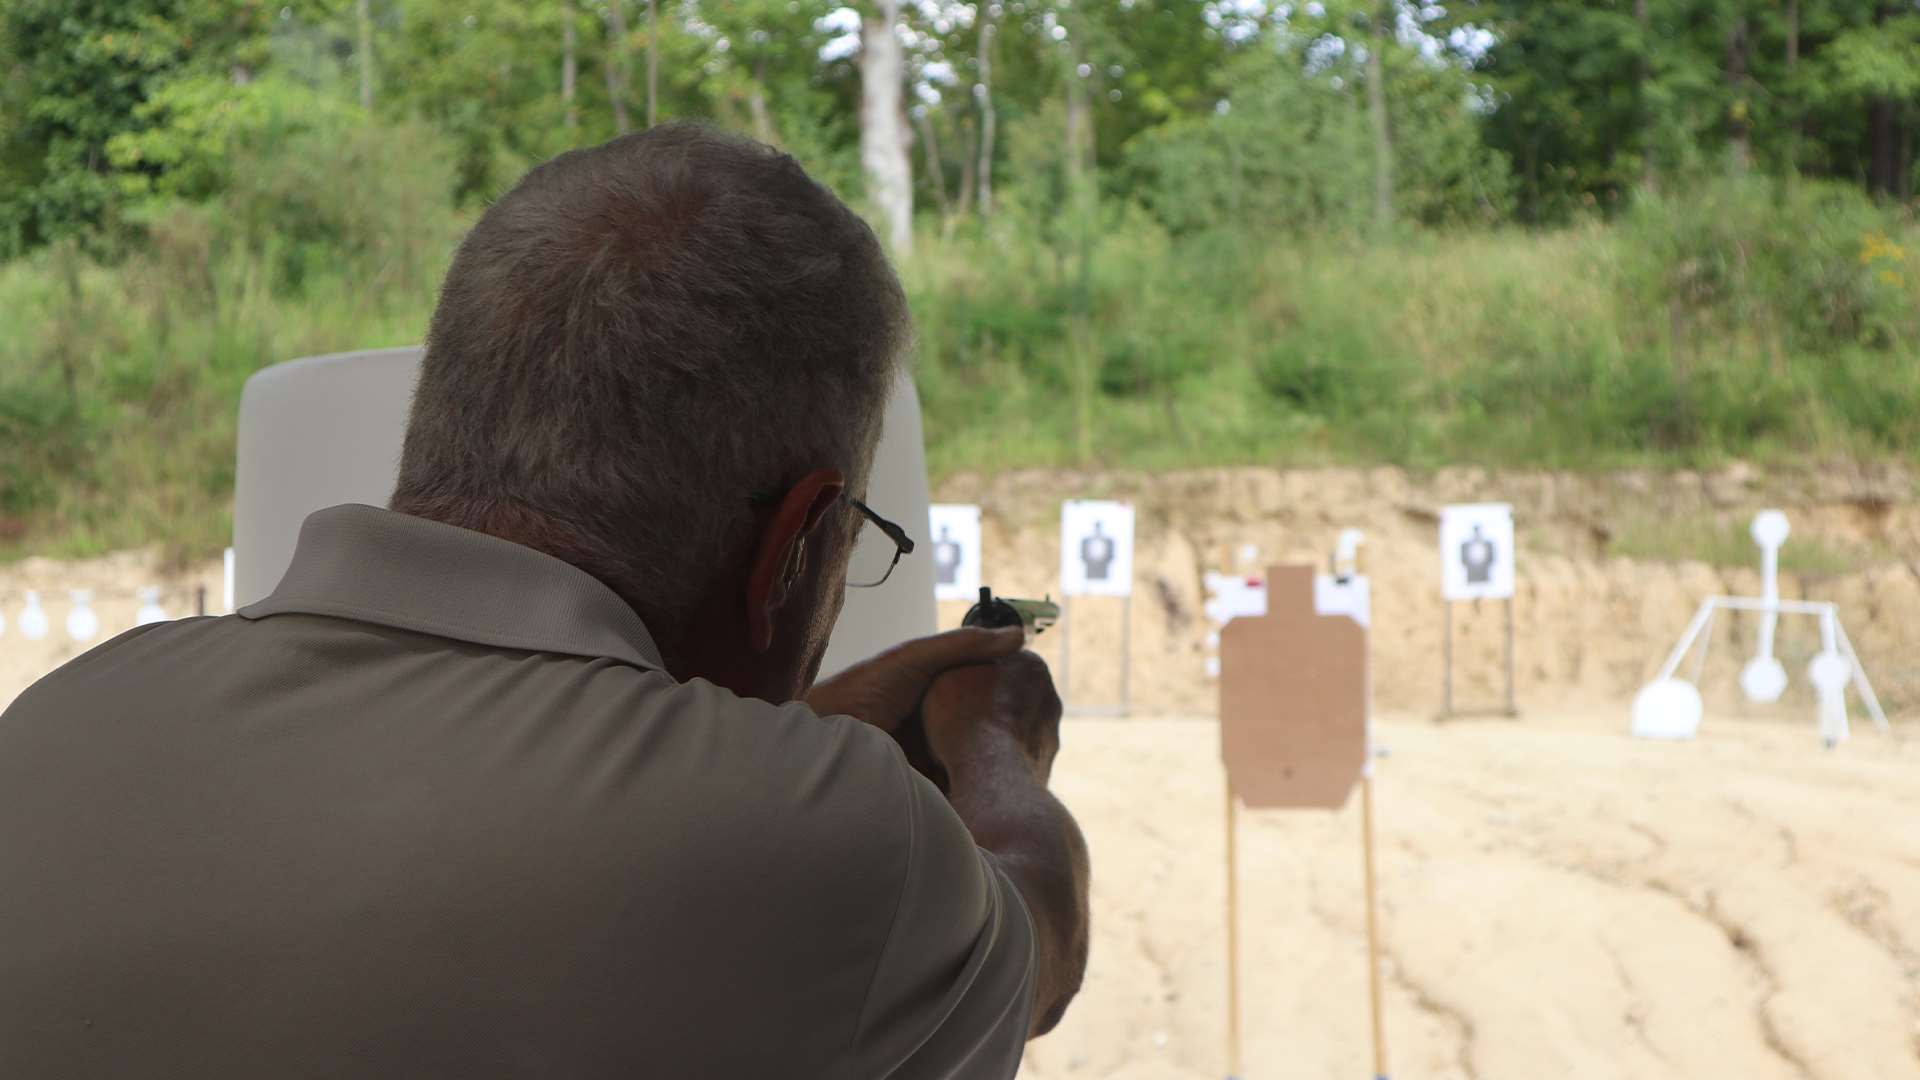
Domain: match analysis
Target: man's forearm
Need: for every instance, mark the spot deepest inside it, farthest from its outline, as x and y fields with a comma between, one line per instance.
x=1011, y=814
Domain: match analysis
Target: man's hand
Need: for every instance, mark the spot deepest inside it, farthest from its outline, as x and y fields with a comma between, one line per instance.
x=981, y=715
x=886, y=690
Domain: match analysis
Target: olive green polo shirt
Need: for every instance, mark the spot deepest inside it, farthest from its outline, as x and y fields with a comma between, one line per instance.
x=433, y=809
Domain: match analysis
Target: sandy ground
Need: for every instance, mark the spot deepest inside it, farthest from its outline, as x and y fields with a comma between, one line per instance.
x=1558, y=900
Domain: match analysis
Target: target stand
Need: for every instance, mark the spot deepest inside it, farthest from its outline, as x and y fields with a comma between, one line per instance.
x=1670, y=707
x=1447, y=708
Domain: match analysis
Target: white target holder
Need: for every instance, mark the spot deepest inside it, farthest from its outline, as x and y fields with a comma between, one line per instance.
x=1670, y=707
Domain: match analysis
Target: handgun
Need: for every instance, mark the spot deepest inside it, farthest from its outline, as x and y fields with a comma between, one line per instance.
x=997, y=611
x=991, y=612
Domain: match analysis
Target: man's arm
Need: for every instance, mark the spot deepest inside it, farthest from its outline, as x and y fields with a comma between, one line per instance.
x=1039, y=846
x=995, y=727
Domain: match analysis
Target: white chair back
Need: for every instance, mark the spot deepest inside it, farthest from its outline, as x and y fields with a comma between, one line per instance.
x=327, y=430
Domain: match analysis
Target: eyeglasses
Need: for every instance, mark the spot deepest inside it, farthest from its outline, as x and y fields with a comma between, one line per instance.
x=873, y=562
x=873, y=558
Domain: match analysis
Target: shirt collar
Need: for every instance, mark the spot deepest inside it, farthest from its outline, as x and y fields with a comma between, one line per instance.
x=378, y=566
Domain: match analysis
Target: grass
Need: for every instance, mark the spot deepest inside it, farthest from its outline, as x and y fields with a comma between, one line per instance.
x=1498, y=348
x=1728, y=545
x=1749, y=326
x=118, y=397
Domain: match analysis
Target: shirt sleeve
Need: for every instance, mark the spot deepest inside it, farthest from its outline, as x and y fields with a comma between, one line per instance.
x=952, y=992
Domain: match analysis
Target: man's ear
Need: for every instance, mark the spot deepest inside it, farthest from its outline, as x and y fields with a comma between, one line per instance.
x=781, y=556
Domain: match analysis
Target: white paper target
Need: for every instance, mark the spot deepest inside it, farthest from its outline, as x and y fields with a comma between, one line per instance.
x=1476, y=551
x=953, y=542
x=1096, y=548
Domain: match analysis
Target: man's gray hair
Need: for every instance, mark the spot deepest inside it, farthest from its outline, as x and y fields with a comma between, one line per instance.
x=637, y=340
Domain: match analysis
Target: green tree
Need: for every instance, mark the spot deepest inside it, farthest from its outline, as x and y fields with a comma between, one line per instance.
x=1872, y=70
x=82, y=72
x=1290, y=146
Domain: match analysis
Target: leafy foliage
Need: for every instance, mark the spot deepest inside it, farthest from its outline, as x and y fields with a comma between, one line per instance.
x=1182, y=261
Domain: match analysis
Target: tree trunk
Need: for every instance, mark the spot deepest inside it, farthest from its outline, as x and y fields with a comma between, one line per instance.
x=653, y=63
x=1649, y=175
x=757, y=106
x=569, y=63
x=1903, y=186
x=963, y=203
x=1076, y=119
x=364, y=17
x=983, y=94
x=1883, y=170
x=1883, y=137
x=930, y=151
x=1377, y=107
x=883, y=128
x=1903, y=154
x=1739, y=109
x=1793, y=33
x=616, y=65
x=1797, y=129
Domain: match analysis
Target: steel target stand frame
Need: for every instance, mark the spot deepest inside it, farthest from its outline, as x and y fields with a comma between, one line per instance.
x=1126, y=661
x=1833, y=637
x=1447, y=711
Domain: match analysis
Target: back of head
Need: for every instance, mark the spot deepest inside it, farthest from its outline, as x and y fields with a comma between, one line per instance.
x=635, y=341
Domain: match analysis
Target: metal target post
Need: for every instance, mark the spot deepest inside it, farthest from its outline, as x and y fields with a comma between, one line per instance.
x=1512, y=707
x=1833, y=633
x=1126, y=659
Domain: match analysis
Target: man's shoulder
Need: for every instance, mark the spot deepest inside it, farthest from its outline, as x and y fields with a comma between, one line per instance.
x=792, y=754
x=778, y=801
x=87, y=670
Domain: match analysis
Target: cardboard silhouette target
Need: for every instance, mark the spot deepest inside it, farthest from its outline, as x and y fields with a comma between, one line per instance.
x=1293, y=699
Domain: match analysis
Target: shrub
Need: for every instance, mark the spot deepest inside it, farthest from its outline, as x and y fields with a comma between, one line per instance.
x=1813, y=262
x=371, y=199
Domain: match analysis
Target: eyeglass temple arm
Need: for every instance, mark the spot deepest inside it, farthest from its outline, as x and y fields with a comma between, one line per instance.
x=894, y=532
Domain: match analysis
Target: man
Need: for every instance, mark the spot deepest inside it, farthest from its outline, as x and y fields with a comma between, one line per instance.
x=523, y=776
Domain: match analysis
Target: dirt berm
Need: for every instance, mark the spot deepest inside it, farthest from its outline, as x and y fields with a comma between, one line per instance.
x=1590, y=625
